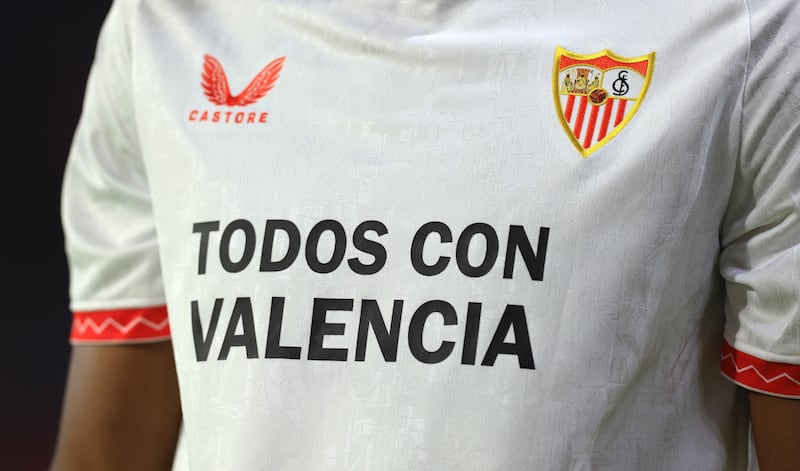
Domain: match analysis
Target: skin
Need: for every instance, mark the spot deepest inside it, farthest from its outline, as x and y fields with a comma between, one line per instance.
x=131, y=421
x=776, y=430
x=119, y=421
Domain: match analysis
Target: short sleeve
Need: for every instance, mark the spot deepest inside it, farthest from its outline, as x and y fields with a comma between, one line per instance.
x=760, y=259
x=116, y=289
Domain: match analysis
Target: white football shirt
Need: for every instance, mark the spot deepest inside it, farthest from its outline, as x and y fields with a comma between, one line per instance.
x=447, y=234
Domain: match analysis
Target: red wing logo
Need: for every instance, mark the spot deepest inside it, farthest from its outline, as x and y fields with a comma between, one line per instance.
x=596, y=95
x=215, y=83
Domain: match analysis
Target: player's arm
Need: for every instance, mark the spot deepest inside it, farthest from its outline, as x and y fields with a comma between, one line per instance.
x=121, y=409
x=760, y=236
x=776, y=430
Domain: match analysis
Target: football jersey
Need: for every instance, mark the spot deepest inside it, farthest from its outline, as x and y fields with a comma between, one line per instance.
x=447, y=234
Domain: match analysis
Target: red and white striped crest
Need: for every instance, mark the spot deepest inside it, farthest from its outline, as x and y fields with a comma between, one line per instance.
x=598, y=94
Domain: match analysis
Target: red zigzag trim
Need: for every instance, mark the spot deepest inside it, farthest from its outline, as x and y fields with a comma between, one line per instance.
x=120, y=325
x=777, y=379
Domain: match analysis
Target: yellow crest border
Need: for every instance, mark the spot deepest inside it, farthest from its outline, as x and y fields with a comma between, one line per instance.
x=560, y=51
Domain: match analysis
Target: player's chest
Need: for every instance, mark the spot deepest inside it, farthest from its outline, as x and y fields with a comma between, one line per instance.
x=283, y=94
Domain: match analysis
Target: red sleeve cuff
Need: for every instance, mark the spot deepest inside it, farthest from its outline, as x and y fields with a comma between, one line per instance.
x=120, y=325
x=775, y=379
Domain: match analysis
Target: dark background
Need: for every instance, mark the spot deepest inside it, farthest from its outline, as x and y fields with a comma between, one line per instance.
x=51, y=45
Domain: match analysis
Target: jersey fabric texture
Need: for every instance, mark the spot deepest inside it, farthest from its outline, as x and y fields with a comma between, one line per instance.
x=375, y=244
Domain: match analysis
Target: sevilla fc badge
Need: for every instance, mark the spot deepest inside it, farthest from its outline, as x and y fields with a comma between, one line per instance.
x=596, y=95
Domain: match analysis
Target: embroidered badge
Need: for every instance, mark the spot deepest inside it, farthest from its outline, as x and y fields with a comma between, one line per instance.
x=596, y=95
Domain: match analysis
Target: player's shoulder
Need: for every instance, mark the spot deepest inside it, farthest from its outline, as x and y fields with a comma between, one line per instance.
x=773, y=11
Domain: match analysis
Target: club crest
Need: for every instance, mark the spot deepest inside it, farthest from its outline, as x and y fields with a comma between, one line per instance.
x=596, y=95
